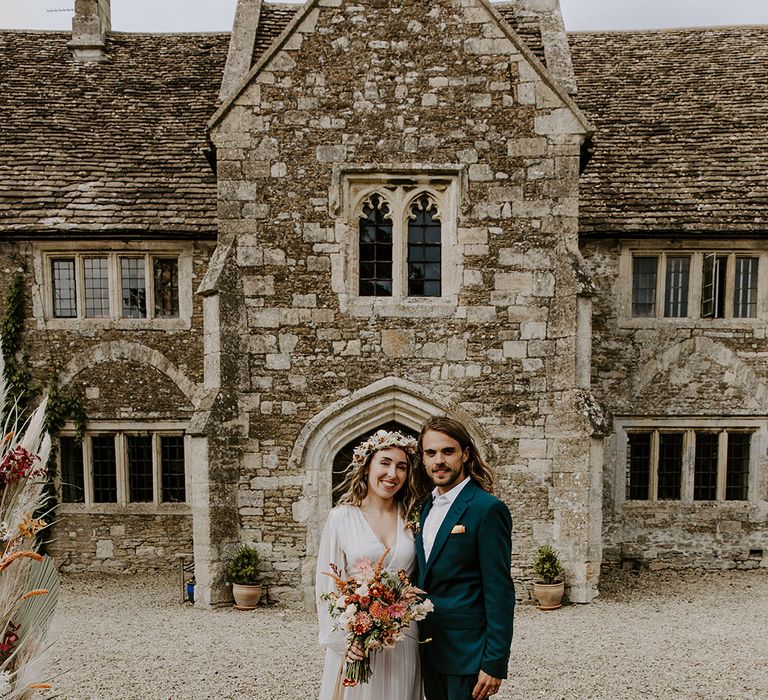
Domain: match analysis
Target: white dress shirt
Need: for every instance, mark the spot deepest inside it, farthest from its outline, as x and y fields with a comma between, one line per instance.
x=441, y=504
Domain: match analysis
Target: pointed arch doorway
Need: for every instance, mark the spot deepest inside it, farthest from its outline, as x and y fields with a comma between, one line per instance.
x=388, y=401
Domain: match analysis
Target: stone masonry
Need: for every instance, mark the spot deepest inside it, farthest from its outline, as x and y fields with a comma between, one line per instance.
x=346, y=91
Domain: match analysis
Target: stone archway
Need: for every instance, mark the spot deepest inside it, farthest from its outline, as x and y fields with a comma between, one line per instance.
x=389, y=399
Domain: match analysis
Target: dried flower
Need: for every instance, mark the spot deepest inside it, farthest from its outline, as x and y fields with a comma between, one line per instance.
x=413, y=520
x=30, y=526
x=381, y=440
x=18, y=464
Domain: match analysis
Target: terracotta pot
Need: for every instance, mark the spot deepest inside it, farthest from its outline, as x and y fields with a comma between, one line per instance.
x=549, y=595
x=246, y=597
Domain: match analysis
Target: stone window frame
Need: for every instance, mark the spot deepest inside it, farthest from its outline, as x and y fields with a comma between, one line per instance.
x=697, y=251
x=42, y=296
x=352, y=188
x=123, y=506
x=688, y=425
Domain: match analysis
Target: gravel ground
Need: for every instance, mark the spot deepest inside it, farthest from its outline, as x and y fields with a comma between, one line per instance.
x=649, y=635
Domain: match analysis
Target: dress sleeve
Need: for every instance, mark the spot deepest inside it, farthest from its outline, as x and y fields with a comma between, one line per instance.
x=330, y=552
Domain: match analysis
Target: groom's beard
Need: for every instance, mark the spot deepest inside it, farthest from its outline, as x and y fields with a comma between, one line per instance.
x=445, y=476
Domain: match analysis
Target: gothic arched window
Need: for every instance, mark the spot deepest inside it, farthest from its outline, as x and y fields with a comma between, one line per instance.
x=376, y=249
x=424, y=249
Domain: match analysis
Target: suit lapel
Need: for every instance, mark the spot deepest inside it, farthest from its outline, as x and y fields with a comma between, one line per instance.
x=419, y=542
x=452, y=517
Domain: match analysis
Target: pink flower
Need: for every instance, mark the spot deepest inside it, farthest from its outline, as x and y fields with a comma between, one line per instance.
x=362, y=623
x=396, y=610
x=364, y=569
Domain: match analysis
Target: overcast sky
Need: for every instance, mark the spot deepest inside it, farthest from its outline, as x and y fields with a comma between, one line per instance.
x=216, y=15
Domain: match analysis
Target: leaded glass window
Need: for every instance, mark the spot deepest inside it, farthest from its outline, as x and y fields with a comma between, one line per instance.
x=670, y=466
x=134, y=287
x=737, y=469
x=644, y=285
x=676, y=287
x=689, y=464
x=376, y=249
x=166, y=283
x=64, y=288
x=140, y=486
x=638, y=465
x=705, y=466
x=104, y=460
x=96, y=276
x=71, y=472
x=172, y=468
x=713, y=285
x=424, y=249
x=745, y=288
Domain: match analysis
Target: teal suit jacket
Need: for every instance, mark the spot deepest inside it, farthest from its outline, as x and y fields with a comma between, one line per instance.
x=468, y=580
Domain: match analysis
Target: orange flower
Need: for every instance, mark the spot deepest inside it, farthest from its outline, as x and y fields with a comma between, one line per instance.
x=6, y=561
x=32, y=594
x=378, y=611
x=380, y=564
x=29, y=527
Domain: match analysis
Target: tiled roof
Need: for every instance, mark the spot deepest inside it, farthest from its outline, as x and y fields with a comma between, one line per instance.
x=682, y=130
x=112, y=146
x=118, y=146
x=272, y=21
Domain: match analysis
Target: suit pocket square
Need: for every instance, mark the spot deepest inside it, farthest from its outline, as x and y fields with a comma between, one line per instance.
x=458, y=530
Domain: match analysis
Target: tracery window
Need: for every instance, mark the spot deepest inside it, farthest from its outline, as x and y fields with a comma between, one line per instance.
x=400, y=253
x=424, y=249
x=376, y=249
x=400, y=244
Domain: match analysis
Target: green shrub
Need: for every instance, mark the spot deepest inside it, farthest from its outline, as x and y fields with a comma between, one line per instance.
x=244, y=566
x=547, y=565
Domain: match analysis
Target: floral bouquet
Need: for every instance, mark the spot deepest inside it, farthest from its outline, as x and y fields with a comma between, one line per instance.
x=374, y=607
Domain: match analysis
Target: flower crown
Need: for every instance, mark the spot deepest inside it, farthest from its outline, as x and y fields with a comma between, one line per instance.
x=380, y=440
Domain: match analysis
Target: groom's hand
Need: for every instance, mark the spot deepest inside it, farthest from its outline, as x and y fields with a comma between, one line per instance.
x=486, y=686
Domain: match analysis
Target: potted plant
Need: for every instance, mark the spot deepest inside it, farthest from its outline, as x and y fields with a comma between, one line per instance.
x=242, y=570
x=549, y=586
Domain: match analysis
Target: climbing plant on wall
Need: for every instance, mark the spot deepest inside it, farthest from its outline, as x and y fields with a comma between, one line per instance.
x=21, y=389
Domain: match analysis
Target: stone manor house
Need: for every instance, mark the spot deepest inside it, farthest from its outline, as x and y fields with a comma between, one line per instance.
x=245, y=251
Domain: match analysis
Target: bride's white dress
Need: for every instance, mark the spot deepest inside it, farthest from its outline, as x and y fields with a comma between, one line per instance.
x=347, y=537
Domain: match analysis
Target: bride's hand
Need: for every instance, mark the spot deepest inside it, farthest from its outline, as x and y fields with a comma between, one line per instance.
x=355, y=653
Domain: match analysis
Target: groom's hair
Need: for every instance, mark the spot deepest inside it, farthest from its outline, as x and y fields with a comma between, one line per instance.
x=476, y=466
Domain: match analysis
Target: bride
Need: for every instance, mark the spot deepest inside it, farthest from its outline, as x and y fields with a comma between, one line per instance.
x=379, y=491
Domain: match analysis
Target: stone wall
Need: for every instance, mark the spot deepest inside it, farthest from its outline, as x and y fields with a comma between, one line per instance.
x=120, y=543
x=398, y=89
x=124, y=375
x=678, y=373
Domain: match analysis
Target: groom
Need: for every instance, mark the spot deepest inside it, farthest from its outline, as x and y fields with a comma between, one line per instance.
x=463, y=550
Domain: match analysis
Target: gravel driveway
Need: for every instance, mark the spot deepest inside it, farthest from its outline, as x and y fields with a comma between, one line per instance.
x=652, y=635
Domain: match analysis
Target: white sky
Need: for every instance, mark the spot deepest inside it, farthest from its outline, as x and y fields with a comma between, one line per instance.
x=217, y=15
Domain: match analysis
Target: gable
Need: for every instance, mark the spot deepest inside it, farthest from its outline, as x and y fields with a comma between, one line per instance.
x=495, y=37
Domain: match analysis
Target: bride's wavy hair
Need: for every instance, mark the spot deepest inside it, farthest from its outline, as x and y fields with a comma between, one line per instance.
x=476, y=466
x=354, y=488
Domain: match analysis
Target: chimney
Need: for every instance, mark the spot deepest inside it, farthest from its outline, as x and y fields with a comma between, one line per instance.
x=241, y=45
x=90, y=24
x=557, y=51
